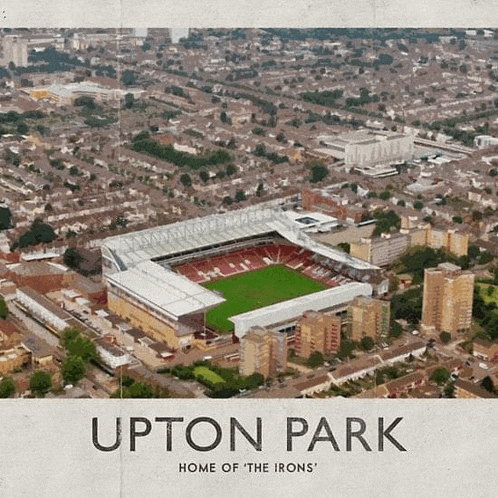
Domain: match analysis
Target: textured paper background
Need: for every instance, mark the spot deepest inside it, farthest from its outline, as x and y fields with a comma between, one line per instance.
x=47, y=450
x=46, y=447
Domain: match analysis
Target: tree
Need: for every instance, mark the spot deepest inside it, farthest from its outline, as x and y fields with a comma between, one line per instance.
x=140, y=390
x=476, y=215
x=227, y=200
x=457, y=219
x=224, y=117
x=474, y=252
x=254, y=380
x=40, y=382
x=77, y=345
x=38, y=233
x=87, y=102
x=407, y=306
x=440, y=376
x=7, y=387
x=186, y=180
x=401, y=203
x=281, y=137
x=445, y=337
x=4, y=310
x=449, y=390
x=231, y=170
x=204, y=176
x=396, y=329
x=73, y=370
x=240, y=196
x=418, y=205
x=128, y=78
x=5, y=218
x=318, y=173
x=487, y=383
x=72, y=258
x=367, y=343
x=315, y=360
x=22, y=128
x=344, y=246
x=485, y=257
x=385, y=195
x=129, y=100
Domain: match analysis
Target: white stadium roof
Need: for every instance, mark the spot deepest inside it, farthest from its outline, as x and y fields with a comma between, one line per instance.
x=130, y=249
x=128, y=265
x=165, y=290
x=293, y=308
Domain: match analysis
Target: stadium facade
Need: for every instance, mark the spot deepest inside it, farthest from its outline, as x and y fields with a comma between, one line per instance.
x=144, y=287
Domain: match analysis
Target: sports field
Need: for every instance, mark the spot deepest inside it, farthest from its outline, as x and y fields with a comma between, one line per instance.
x=489, y=293
x=209, y=375
x=256, y=289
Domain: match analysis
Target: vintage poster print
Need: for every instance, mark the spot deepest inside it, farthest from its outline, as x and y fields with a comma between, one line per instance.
x=250, y=254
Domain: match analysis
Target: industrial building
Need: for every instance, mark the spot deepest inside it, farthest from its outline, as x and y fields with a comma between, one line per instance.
x=68, y=93
x=370, y=153
x=447, y=299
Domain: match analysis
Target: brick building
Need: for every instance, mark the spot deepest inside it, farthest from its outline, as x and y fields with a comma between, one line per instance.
x=368, y=317
x=447, y=299
x=263, y=351
x=317, y=332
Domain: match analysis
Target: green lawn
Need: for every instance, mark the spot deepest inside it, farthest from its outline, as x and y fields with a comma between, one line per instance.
x=487, y=298
x=208, y=375
x=256, y=289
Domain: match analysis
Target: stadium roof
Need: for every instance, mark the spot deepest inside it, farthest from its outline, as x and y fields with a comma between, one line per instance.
x=164, y=290
x=293, y=308
x=131, y=249
x=196, y=233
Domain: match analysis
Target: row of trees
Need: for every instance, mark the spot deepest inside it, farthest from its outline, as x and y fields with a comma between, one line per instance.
x=232, y=383
x=143, y=143
x=130, y=388
x=80, y=351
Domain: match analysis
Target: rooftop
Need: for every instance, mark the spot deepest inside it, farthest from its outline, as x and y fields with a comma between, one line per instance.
x=294, y=308
x=165, y=290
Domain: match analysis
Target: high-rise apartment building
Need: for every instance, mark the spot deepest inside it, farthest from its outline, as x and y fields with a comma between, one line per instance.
x=447, y=300
x=381, y=250
x=369, y=317
x=317, y=332
x=15, y=49
x=263, y=351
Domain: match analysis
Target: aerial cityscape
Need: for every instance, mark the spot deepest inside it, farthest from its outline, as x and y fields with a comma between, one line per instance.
x=249, y=213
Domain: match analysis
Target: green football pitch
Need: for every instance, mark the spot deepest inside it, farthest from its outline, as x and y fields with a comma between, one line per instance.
x=256, y=289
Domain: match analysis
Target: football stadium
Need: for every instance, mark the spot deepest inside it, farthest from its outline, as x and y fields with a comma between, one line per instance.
x=225, y=273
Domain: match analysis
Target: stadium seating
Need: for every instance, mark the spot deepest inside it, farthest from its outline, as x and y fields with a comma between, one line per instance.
x=255, y=258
